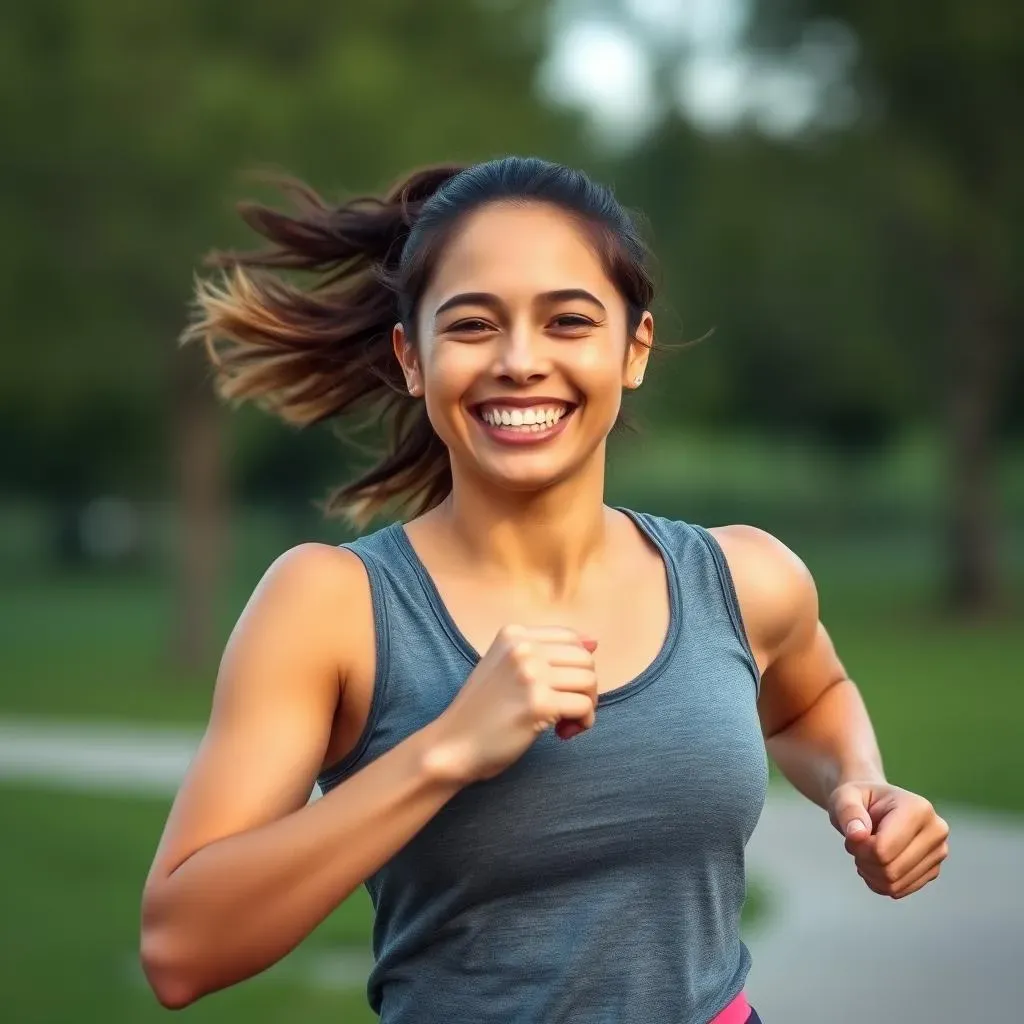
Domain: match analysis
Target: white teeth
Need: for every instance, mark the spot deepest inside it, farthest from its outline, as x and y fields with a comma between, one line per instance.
x=529, y=419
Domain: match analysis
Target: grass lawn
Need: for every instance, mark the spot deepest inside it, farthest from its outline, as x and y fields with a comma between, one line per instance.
x=74, y=867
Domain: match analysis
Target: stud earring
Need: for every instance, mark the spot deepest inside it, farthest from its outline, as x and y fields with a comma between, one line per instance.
x=637, y=381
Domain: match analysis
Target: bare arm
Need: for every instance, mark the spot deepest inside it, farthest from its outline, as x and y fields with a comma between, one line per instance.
x=815, y=724
x=245, y=868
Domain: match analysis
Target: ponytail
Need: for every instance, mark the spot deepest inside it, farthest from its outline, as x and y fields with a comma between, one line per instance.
x=311, y=355
x=325, y=352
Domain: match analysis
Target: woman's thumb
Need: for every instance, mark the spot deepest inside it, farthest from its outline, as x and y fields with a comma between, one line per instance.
x=849, y=815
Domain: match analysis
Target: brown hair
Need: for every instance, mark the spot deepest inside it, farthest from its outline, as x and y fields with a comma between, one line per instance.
x=311, y=355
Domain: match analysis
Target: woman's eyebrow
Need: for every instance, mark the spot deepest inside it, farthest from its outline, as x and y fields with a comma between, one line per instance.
x=494, y=302
x=568, y=295
x=470, y=299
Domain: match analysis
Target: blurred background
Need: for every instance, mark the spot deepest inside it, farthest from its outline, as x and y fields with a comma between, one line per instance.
x=834, y=194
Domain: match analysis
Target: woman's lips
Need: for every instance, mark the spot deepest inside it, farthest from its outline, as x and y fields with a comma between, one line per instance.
x=516, y=423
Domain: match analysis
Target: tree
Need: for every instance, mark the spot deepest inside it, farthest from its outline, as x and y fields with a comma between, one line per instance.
x=127, y=128
x=939, y=89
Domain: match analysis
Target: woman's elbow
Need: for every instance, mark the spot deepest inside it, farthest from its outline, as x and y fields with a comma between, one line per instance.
x=171, y=985
x=163, y=965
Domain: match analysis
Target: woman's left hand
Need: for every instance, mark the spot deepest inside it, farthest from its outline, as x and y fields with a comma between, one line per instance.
x=896, y=839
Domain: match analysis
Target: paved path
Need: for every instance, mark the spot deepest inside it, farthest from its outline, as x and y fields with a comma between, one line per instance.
x=832, y=952
x=950, y=954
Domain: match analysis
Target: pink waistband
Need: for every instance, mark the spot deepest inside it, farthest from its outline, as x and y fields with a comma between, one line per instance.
x=736, y=1012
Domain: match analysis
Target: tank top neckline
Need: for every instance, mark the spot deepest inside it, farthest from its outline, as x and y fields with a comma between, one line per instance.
x=472, y=656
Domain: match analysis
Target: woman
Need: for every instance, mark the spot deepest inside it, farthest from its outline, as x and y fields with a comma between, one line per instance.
x=552, y=830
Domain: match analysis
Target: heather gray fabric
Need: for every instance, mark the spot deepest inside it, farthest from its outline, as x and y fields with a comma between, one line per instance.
x=599, y=880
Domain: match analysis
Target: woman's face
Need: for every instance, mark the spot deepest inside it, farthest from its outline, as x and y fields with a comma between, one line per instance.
x=523, y=348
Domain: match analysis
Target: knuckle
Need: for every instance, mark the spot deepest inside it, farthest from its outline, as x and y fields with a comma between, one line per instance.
x=527, y=669
x=511, y=634
x=890, y=874
x=521, y=652
x=585, y=660
x=537, y=703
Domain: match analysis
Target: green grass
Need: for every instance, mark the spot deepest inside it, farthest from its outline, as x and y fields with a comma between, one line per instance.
x=74, y=867
x=97, y=647
x=946, y=698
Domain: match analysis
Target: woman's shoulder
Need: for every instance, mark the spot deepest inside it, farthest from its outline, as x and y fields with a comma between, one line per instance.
x=764, y=561
x=318, y=590
x=773, y=585
x=315, y=570
x=315, y=567
x=313, y=611
x=774, y=588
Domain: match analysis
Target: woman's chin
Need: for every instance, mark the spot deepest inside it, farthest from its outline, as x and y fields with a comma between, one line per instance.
x=524, y=476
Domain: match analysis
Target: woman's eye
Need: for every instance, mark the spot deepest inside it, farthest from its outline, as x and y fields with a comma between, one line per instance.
x=471, y=326
x=572, y=320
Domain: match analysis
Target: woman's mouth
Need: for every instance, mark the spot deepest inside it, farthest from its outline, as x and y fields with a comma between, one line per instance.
x=523, y=424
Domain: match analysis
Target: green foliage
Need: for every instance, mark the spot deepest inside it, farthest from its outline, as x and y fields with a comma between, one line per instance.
x=859, y=280
x=934, y=155
x=126, y=129
x=758, y=248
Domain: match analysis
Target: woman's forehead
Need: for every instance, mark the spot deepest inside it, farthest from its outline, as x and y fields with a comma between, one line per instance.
x=518, y=248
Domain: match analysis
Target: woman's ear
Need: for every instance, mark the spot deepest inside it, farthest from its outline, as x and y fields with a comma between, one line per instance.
x=408, y=359
x=638, y=351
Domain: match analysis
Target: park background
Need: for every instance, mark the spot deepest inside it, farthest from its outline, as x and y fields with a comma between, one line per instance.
x=833, y=191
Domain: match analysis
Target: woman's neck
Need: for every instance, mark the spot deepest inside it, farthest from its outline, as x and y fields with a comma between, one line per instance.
x=543, y=539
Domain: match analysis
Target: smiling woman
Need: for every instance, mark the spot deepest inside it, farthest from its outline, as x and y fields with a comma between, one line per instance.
x=319, y=354
x=428, y=674
x=492, y=361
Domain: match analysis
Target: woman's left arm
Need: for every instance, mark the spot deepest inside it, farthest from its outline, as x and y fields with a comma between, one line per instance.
x=816, y=726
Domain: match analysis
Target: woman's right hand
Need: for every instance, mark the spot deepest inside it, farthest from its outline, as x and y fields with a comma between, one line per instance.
x=531, y=679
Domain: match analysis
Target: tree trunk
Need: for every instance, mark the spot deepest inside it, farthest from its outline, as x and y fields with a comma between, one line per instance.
x=202, y=510
x=976, y=365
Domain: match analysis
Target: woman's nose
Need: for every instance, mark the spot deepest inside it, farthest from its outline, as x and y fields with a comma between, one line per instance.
x=522, y=357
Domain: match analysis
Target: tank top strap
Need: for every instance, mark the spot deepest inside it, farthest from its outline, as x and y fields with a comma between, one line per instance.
x=418, y=668
x=402, y=595
x=707, y=592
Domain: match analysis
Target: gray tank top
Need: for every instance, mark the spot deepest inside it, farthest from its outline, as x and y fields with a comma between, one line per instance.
x=598, y=880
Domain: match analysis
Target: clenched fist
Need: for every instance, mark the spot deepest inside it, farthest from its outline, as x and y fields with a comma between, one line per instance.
x=896, y=839
x=531, y=679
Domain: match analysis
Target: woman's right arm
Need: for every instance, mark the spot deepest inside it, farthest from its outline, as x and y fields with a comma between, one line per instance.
x=246, y=868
